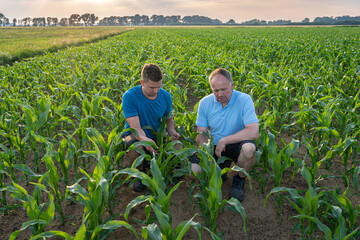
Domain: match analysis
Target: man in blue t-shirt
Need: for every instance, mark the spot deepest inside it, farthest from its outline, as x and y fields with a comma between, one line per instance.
x=230, y=117
x=145, y=105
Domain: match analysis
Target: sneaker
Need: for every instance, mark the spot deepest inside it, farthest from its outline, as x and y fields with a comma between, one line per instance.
x=138, y=186
x=237, y=188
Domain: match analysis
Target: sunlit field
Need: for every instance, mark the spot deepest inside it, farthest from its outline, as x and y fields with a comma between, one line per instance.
x=17, y=43
x=65, y=171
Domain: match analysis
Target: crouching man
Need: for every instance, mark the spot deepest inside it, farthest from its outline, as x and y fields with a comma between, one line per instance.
x=230, y=117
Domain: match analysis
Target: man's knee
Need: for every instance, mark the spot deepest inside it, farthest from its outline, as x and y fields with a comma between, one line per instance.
x=248, y=150
x=196, y=168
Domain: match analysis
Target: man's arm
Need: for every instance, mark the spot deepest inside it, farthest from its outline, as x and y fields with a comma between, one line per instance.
x=170, y=128
x=134, y=122
x=250, y=132
x=201, y=137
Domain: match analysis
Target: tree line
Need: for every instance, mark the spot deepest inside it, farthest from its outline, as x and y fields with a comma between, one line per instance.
x=88, y=19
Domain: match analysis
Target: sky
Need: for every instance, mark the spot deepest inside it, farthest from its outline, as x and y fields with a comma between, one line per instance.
x=239, y=10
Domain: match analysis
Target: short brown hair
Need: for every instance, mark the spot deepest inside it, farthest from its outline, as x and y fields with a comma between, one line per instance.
x=151, y=72
x=221, y=71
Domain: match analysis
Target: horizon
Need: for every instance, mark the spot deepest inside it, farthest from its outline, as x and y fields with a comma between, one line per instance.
x=239, y=11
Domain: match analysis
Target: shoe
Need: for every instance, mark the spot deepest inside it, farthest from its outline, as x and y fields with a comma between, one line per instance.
x=237, y=188
x=138, y=186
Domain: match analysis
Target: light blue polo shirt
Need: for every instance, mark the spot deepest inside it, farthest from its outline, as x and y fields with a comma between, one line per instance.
x=238, y=113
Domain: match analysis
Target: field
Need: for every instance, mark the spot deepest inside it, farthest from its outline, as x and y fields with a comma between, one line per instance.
x=65, y=172
x=23, y=42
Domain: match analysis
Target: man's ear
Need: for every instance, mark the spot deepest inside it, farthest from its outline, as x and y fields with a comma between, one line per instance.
x=142, y=82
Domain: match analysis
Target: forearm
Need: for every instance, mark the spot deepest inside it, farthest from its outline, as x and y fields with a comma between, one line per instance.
x=251, y=132
x=141, y=135
x=201, y=139
x=170, y=126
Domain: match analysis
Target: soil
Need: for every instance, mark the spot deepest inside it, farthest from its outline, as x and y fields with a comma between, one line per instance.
x=262, y=222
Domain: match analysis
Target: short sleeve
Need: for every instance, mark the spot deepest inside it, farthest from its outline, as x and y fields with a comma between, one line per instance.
x=129, y=106
x=201, y=120
x=169, y=102
x=249, y=112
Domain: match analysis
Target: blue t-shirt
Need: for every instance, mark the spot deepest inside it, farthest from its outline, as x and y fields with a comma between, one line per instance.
x=238, y=113
x=134, y=103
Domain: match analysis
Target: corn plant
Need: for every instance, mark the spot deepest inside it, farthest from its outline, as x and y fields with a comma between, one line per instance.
x=308, y=205
x=101, y=230
x=165, y=222
x=209, y=199
x=155, y=184
x=40, y=214
x=350, y=212
x=159, y=202
x=93, y=200
x=63, y=155
x=279, y=161
x=107, y=154
x=340, y=231
x=52, y=180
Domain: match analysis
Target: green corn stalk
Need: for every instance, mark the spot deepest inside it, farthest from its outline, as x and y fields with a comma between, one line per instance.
x=155, y=184
x=340, y=230
x=165, y=222
x=159, y=202
x=106, y=157
x=279, y=161
x=8, y=157
x=63, y=156
x=94, y=200
x=52, y=180
x=3, y=189
x=40, y=214
x=101, y=230
x=351, y=212
x=209, y=198
x=305, y=205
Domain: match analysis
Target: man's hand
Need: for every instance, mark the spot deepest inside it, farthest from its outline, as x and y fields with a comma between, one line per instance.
x=149, y=148
x=220, y=147
x=174, y=135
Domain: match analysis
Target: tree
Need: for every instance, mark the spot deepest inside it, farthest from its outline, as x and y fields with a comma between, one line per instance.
x=39, y=22
x=3, y=20
x=93, y=19
x=26, y=21
x=306, y=20
x=64, y=22
x=86, y=19
x=14, y=22
x=74, y=19
x=231, y=22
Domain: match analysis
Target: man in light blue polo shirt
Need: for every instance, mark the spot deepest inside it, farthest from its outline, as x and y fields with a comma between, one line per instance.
x=230, y=117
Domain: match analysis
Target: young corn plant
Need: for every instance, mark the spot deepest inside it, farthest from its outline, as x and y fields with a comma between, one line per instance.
x=279, y=161
x=40, y=214
x=160, y=203
x=94, y=199
x=350, y=212
x=107, y=154
x=166, y=231
x=155, y=184
x=99, y=232
x=52, y=180
x=340, y=231
x=209, y=199
x=63, y=155
x=307, y=205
